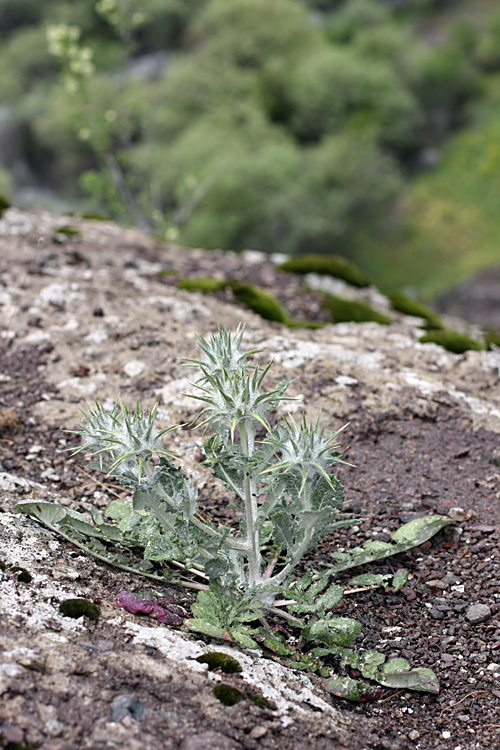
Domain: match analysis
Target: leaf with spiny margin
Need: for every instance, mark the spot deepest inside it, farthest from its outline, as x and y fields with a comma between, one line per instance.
x=399, y=579
x=57, y=516
x=420, y=678
x=409, y=535
x=327, y=492
x=334, y=631
x=370, y=579
x=275, y=642
x=352, y=690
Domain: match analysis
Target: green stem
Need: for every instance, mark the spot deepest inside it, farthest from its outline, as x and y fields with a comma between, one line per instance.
x=303, y=547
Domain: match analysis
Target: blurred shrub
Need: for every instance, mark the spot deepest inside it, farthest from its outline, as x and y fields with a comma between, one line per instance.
x=165, y=22
x=24, y=61
x=447, y=76
x=335, y=89
x=196, y=85
x=354, y=16
x=15, y=13
x=488, y=49
x=248, y=33
x=246, y=177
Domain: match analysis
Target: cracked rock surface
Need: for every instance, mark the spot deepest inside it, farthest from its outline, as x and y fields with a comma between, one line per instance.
x=90, y=316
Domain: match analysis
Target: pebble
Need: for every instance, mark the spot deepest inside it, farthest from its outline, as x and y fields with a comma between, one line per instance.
x=258, y=732
x=127, y=705
x=134, y=367
x=477, y=613
x=436, y=613
x=208, y=741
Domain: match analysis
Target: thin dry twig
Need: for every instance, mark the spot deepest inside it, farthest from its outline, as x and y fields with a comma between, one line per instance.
x=453, y=705
x=390, y=697
x=95, y=482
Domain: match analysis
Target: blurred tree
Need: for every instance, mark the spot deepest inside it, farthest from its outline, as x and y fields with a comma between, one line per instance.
x=335, y=89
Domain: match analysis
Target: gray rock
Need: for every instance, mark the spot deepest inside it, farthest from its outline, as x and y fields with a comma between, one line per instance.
x=477, y=613
x=127, y=705
x=209, y=741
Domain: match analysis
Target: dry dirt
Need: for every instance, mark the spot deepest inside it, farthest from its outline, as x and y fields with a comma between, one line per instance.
x=89, y=316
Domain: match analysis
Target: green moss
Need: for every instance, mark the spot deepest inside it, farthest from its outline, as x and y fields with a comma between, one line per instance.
x=259, y=700
x=408, y=306
x=205, y=284
x=453, y=341
x=91, y=216
x=2, y=565
x=347, y=311
x=228, y=695
x=262, y=303
x=4, y=204
x=220, y=661
x=328, y=265
x=168, y=272
x=311, y=324
x=491, y=337
x=23, y=575
x=69, y=231
x=79, y=608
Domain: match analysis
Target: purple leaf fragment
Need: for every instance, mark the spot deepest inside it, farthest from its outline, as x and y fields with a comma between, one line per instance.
x=171, y=614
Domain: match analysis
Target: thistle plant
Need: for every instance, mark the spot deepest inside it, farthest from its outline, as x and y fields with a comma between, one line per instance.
x=281, y=476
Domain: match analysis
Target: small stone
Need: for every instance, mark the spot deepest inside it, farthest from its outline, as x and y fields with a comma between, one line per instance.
x=414, y=735
x=12, y=736
x=457, y=513
x=447, y=658
x=127, y=705
x=208, y=741
x=258, y=732
x=477, y=613
x=134, y=368
x=436, y=614
x=494, y=667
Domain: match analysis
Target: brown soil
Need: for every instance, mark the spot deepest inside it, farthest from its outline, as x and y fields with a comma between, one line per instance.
x=412, y=460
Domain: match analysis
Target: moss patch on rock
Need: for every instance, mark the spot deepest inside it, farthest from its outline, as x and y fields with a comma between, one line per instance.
x=218, y=660
x=228, y=695
x=4, y=204
x=491, y=338
x=79, y=608
x=261, y=302
x=313, y=325
x=403, y=304
x=327, y=265
x=351, y=311
x=453, y=341
x=204, y=284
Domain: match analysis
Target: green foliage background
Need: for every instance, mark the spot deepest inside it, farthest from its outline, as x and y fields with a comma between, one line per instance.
x=286, y=126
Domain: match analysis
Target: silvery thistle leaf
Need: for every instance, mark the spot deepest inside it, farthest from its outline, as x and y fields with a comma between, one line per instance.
x=125, y=439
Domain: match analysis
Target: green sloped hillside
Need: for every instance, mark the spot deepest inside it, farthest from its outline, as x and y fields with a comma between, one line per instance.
x=453, y=210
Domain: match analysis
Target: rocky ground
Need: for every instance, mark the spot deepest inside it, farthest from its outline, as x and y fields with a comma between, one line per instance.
x=90, y=315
